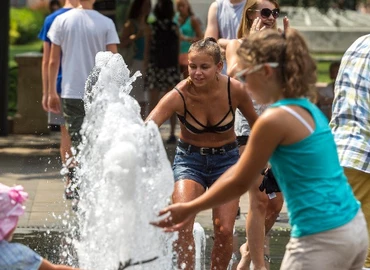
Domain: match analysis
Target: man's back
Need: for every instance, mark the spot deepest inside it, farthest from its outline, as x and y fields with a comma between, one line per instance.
x=228, y=18
x=223, y=21
x=81, y=34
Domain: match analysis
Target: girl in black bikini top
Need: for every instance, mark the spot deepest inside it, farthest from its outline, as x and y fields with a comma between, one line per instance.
x=212, y=129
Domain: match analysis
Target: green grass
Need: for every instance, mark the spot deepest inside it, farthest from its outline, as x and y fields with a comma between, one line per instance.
x=323, y=72
x=323, y=63
x=34, y=46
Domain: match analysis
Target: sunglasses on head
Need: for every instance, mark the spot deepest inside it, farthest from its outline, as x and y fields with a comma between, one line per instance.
x=266, y=12
x=241, y=76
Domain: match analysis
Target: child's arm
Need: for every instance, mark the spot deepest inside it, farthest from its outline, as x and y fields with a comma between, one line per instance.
x=46, y=265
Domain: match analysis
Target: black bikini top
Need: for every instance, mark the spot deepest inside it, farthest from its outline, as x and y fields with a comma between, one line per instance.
x=212, y=129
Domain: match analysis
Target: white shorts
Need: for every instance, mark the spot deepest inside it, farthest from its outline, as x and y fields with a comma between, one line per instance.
x=343, y=248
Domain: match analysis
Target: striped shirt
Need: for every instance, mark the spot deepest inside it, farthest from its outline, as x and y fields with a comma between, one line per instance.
x=350, y=120
x=14, y=256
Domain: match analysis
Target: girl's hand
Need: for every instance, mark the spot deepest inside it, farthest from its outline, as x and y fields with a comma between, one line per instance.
x=177, y=216
x=286, y=24
x=257, y=26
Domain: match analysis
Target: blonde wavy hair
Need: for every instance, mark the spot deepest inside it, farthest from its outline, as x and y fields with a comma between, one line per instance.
x=246, y=22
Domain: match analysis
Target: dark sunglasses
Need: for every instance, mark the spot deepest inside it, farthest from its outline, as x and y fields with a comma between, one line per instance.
x=266, y=12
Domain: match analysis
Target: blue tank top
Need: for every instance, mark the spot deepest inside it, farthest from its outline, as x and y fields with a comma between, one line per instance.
x=309, y=174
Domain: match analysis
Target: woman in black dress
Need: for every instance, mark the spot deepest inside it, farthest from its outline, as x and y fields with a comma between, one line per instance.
x=163, y=71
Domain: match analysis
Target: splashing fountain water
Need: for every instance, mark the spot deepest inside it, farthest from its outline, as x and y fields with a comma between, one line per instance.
x=125, y=176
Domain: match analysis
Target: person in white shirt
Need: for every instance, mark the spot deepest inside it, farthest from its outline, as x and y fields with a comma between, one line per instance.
x=78, y=35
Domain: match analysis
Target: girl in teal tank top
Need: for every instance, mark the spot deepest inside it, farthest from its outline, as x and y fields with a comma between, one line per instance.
x=190, y=31
x=294, y=136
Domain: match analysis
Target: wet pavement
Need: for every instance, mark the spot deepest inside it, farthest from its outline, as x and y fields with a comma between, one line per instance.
x=33, y=162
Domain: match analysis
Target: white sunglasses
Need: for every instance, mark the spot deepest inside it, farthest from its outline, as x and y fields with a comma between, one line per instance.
x=241, y=75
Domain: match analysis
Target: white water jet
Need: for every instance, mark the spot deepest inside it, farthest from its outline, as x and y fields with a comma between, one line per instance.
x=125, y=177
x=200, y=246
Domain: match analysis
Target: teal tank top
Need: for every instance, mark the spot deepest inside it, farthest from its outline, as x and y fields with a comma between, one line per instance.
x=186, y=29
x=309, y=174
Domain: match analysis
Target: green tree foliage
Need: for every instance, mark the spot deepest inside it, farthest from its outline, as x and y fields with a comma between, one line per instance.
x=12, y=94
x=25, y=24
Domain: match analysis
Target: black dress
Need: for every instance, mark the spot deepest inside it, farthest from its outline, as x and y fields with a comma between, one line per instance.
x=163, y=67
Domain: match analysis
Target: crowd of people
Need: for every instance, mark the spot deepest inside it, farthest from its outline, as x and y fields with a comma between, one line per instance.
x=267, y=137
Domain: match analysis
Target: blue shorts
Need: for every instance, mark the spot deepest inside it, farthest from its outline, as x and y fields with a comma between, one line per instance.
x=203, y=169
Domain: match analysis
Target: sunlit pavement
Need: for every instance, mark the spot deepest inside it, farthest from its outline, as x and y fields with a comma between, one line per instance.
x=32, y=161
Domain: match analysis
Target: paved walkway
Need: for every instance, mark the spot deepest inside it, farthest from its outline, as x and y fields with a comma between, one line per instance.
x=32, y=161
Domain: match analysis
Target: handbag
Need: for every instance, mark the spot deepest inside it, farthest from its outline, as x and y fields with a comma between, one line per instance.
x=269, y=184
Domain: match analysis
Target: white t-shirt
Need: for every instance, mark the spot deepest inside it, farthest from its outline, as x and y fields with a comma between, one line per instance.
x=81, y=34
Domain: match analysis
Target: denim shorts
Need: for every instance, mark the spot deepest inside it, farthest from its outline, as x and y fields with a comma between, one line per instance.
x=203, y=169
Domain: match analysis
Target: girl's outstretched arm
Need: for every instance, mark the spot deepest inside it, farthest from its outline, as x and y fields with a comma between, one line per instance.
x=268, y=132
x=46, y=265
x=166, y=107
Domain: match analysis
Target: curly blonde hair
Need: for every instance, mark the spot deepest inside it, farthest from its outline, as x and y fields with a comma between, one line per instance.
x=296, y=66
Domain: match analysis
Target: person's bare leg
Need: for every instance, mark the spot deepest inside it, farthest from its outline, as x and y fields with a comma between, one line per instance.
x=186, y=190
x=65, y=144
x=223, y=226
x=245, y=260
x=255, y=224
x=272, y=211
x=267, y=250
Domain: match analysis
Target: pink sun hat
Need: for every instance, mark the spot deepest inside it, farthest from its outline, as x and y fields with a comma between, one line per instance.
x=11, y=207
